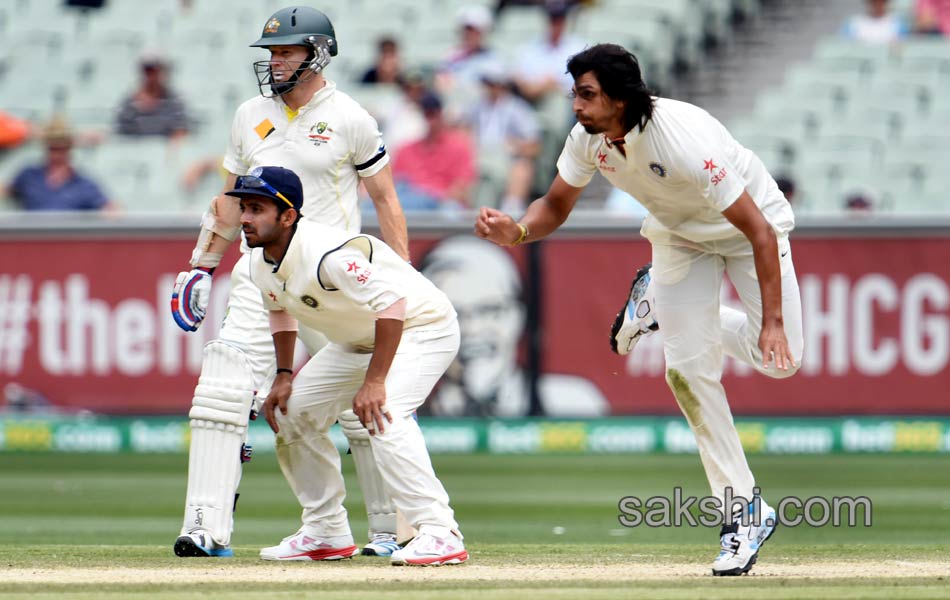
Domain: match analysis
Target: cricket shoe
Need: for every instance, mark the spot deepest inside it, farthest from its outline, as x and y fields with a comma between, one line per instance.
x=303, y=546
x=637, y=317
x=429, y=549
x=741, y=543
x=198, y=542
x=382, y=544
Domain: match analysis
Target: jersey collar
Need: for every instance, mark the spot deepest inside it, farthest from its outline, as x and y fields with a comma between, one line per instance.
x=281, y=271
x=322, y=94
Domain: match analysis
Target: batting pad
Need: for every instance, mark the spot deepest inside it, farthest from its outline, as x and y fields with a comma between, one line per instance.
x=219, y=415
x=380, y=510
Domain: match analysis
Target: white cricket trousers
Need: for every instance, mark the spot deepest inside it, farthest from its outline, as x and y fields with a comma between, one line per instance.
x=697, y=330
x=324, y=388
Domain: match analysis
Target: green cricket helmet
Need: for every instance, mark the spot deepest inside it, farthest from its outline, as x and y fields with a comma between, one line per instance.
x=296, y=26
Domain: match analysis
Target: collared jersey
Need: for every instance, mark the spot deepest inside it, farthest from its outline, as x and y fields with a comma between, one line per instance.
x=335, y=283
x=329, y=144
x=685, y=168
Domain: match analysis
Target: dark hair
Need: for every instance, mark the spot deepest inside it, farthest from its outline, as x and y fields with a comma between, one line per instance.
x=618, y=72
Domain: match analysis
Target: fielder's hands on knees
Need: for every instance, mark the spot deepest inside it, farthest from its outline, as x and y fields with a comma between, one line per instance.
x=495, y=226
x=277, y=399
x=190, y=298
x=370, y=406
x=774, y=346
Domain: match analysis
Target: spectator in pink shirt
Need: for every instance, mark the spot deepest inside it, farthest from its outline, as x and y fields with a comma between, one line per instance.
x=933, y=16
x=438, y=171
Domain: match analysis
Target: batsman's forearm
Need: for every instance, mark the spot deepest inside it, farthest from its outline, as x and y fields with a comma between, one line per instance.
x=284, y=342
x=228, y=215
x=769, y=272
x=388, y=336
x=392, y=225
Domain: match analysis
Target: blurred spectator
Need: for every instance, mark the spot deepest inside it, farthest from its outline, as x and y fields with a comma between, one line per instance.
x=933, y=16
x=401, y=120
x=55, y=185
x=859, y=201
x=505, y=125
x=877, y=26
x=13, y=131
x=541, y=65
x=85, y=4
x=388, y=63
x=787, y=187
x=153, y=109
x=436, y=172
x=458, y=74
x=196, y=172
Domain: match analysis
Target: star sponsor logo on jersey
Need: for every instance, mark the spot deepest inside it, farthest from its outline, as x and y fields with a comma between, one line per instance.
x=361, y=273
x=317, y=133
x=309, y=301
x=272, y=296
x=271, y=26
x=715, y=176
x=602, y=163
x=658, y=169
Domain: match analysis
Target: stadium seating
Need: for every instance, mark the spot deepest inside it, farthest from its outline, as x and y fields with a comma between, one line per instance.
x=861, y=117
x=94, y=58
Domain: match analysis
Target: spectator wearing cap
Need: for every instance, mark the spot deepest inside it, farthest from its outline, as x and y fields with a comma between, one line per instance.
x=401, y=119
x=458, y=74
x=876, y=26
x=153, y=109
x=504, y=124
x=540, y=68
x=436, y=172
x=55, y=184
x=388, y=63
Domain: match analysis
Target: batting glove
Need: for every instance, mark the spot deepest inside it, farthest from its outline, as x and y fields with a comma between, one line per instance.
x=190, y=298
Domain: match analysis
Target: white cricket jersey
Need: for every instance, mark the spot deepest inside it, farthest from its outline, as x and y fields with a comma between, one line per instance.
x=329, y=144
x=335, y=283
x=685, y=168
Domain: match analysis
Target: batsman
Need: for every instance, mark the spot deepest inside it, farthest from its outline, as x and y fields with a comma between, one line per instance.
x=301, y=121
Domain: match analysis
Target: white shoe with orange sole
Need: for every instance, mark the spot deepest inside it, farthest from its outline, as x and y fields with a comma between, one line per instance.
x=432, y=550
x=303, y=546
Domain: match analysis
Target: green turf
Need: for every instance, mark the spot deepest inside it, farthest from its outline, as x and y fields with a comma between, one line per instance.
x=102, y=511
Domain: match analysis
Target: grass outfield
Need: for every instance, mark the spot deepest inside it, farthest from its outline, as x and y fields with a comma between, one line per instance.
x=89, y=526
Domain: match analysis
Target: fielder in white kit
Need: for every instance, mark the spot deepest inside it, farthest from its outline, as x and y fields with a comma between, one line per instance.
x=302, y=121
x=392, y=336
x=713, y=209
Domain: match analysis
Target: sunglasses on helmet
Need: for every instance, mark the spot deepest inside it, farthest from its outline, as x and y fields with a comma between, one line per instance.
x=252, y=182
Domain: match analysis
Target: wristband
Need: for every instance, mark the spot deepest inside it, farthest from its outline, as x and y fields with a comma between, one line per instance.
x=523, y=236
x=279, y=371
